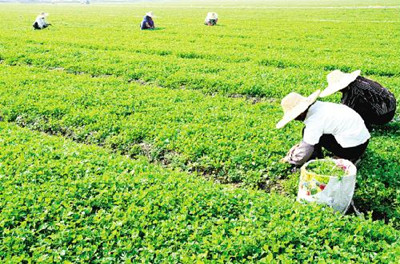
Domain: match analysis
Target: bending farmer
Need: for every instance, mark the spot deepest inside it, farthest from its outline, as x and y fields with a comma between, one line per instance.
x=375, y=104
x=211, y=19
x=147, y=22
x=335, y=127
x=40, y=22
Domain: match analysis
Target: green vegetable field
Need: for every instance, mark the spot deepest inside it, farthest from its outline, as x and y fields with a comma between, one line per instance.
x=125, y=146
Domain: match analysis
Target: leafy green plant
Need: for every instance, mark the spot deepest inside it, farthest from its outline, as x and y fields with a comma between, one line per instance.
x=326, y=168
x=61, y=201
x=199, y=99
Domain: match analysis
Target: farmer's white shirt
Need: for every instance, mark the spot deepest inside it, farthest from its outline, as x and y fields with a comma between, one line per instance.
x=41, y=21
x=345, y=124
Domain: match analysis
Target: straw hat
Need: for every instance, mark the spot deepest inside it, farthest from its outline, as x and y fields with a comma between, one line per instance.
x=150, y=14
x=338, y=80
x=294, y=104
x=212, y=15
x=44, y=14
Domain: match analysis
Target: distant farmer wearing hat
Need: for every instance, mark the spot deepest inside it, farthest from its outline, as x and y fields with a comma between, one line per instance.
x=40, y=22
x=148, y=22
x=335, y=127
x=375, y=104
x=211, y=19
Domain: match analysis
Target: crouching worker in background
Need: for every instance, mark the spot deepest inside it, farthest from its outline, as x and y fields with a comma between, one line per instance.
x=374, y=103
x=40, y=22
x=335, y=127
x=211, y=19
x=147, y=22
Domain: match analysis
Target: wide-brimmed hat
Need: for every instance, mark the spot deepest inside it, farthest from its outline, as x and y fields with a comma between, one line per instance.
x=294, y=104
x=150, y=14
x=43, y=14
x=212, y=15
x=338, y=80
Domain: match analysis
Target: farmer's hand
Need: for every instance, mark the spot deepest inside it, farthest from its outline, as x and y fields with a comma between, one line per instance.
x=284, y=160
x=289, y=154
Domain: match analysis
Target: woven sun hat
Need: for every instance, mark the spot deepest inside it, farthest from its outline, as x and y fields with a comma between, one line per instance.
x=212, y=15
x=150, y=14
x=43, y=14
x=294, y=104
x=338, y=80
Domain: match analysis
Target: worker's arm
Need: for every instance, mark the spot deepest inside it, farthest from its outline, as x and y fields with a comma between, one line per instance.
x=299, y=154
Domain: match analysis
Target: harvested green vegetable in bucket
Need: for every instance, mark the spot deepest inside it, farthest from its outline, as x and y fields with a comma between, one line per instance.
x=326, y=167
x=328, y=181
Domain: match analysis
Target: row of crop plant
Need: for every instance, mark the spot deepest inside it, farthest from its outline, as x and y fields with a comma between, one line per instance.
x=229, y=139
x=62, y=201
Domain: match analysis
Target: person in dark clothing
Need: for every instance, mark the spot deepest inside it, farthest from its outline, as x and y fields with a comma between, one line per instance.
x=147, y=22
x=40, y=21
x=211, y=19
x=374, y=103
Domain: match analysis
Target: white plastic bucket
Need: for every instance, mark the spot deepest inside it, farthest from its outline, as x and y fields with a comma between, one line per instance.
x=336, y=192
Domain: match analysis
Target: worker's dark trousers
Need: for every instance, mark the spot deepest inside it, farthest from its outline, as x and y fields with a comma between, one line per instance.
x=329, y=142
x=36, y=26
x=211, y=22
x=383, y=119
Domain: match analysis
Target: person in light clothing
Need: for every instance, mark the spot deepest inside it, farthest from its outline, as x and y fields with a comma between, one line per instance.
x=148, y=22
x=40, y=22
x=211, y=19
x=335, y=127
x=374, y=103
